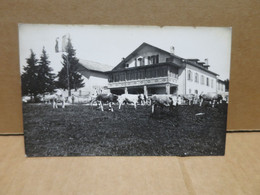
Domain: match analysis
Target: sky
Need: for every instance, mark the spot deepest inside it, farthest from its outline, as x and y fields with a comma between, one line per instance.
x=108, y=44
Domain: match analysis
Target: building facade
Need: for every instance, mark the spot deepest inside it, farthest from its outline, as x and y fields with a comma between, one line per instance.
x=151, y=70
x=221, y=86
x=95, y=77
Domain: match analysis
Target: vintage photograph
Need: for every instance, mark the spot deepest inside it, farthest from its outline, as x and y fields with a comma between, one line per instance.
x=104, y=90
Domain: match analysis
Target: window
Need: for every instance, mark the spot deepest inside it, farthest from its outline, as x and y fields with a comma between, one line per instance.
x=140, y=61
x=145, y=59
x=189, y=91
x=132, y=76
x=148, y=75
x=189, y=75
x=128, y=77
x=196, y=77
x=153, y=59
x=110, y=79
x=116, y=77
x=221, y=87
x=153, y=73
x=211, y=83
x=207, y=81
x=196, y=91
x=139, y=75
x=121, y=77
x=164, y=72
x=136, y=75
x=149, y=60
x=202, y=80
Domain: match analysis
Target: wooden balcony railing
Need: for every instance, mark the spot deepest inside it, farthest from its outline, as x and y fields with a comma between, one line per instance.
x=142, y=82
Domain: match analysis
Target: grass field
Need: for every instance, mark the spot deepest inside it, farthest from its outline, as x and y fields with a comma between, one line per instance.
x=82, y=130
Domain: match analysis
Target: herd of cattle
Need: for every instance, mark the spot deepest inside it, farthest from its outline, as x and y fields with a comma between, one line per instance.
x=161, y=100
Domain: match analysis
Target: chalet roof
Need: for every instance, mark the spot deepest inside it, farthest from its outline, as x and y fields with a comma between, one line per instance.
x=95, y=66
x=144, y=44
x=193, y=61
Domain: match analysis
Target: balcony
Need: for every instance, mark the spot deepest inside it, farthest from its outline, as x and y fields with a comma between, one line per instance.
x=142, y=82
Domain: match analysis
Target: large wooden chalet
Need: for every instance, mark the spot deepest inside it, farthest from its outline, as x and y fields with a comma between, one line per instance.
x=151, y=70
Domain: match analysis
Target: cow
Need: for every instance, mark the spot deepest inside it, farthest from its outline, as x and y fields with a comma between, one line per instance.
x=142, y=99
x=130, y=98
x=106, y=98
x=225, y=96
x=164, y=100
x=190, y=98
x=211, y=97
x=26, y=99
x=58, y=98
x=54, y=99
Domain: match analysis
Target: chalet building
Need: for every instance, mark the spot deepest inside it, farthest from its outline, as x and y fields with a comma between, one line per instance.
x=95, y=76
x=220, y=86
x=151, y=70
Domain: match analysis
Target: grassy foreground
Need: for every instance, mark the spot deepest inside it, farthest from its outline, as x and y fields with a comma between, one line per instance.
x=83, y=130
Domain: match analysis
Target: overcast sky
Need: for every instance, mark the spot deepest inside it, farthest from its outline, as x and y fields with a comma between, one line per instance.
x=109, y=44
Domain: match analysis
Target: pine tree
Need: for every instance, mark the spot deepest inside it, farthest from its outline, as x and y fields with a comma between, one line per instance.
x=29, y=77
x=226, y=84
x=70, y=62
x=45, y=75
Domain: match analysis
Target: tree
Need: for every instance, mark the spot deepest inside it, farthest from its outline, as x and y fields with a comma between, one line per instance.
x=68, y=70
x=226, y=82
x=29, y=77
x=45, y=75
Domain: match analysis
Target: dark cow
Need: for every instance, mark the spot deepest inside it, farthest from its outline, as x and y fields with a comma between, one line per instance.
x=211, y=97
x=106, y=98
x=163, y=100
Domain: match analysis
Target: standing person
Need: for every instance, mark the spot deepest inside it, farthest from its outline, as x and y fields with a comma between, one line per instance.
x=72, y=98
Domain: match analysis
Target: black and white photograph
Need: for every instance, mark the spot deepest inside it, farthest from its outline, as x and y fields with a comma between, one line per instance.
x=123, y=90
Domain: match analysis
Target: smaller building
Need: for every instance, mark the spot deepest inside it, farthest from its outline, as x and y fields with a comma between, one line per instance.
x=95, y=76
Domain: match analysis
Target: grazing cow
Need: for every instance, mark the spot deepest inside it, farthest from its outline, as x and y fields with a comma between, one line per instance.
x=106, y=98
x=163, y=100
x=225, y=96
x=210, y=97
x=48, y=98
x=130, y=98
x=190, y=98
x=25, y=99
x=58, y=98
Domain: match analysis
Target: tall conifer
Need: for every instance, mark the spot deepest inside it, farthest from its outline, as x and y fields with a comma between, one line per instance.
x=45, y=75
x=29, y=77
x=68, y=70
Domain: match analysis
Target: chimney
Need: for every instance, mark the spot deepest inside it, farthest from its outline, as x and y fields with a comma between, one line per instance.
x=172, y=50
x=206, y=61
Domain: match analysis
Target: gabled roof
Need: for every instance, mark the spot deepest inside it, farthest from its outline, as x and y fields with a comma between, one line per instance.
x=193, y=62
x=94, y=66
x=139, y=48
